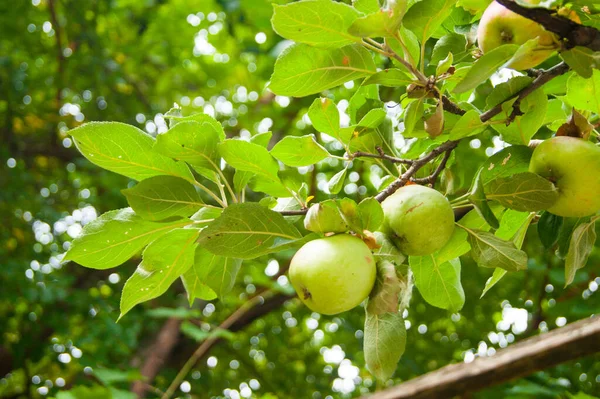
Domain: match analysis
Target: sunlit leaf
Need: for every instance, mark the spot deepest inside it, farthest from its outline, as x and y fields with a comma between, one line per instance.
x=163, y=262
x=125, y=150
x=115, y=237
x=302, y=70
x=161, y=197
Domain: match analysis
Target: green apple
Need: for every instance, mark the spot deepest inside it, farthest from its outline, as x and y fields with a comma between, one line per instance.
x=418, y=219
x=333, y=274
x=573, y=165
x=499, y=25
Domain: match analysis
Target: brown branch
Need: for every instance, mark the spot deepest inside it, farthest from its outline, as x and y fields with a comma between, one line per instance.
x=575, y=34
x=543, y=78
x=451, y=107
x=433, y=177
x=255, y=307
x=381, y=155
x=528, y=356
x=416, y=165
x=156, y=355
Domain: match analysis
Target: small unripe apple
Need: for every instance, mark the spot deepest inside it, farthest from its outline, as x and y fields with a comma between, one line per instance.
x=573, y=165
x=333, y=274
x=418, y=219
x=499, y=25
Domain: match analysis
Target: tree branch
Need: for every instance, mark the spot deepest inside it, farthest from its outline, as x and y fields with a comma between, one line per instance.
x=575, y=34
x=381, y=155
x=528, y=356
x=543, y=78
x=448, y=146
x=157, y=354
x=255, y=307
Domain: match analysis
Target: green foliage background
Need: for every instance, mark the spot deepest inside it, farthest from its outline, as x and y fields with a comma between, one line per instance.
x=63, y=62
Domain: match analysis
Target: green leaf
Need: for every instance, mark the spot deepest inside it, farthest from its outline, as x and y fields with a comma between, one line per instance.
x=271, y=186
x=412, y=114
x=249, y=157
x=506, y=90
x=425, y=17
x=506, y=163
x=366, y=6
x=451, y=43
x=386, y=293
x=438, y=282
x=125, y=150
x=492, y=281
x=525, y=126
x=197, y=117
x=371, y=214
x=337, y=181
x=490, y=251
x=523, y=192
x=387, y=251
x=192, y=142
x=364, y=99
x=548, y=228
x=513, y=226
x=478, y=198
x=115, y=237
x=302, y=70
x=582, y=60
x=299, y=151
x=163, y=261
x=485, y=67
x=325, y=117
x=384, y=22
x=317, y=23
x=211, y=275
x=469, y=124
x=580, y=248
x=242, y=177
x=392, y=77
x=584, y=94
x=247, y=231
x=384, y=343
x=564, y=238
x=373, y=118
x=444, y=65
x=162, y=197
x=196, y=288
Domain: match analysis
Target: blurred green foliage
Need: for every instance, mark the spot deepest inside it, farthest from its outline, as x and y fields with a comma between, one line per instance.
x=63, y=62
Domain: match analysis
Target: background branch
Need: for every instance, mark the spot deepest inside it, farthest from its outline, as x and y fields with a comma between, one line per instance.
x=528, y=356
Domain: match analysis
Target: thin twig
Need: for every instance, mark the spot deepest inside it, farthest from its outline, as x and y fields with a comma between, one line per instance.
x=206, y=345
x=538, y=82
x=431, y=179
x=361, y=154
x=418, y=164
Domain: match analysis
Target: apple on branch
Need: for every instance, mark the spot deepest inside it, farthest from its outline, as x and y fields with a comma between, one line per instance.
x=333, y=274
x=573, y=165
x=418, y=219
x=499, y=25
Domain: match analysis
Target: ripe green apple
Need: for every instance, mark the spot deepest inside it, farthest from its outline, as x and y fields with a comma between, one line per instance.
x=573, y=165
x=499, y=25
x=333, y=274
x=418, y=219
